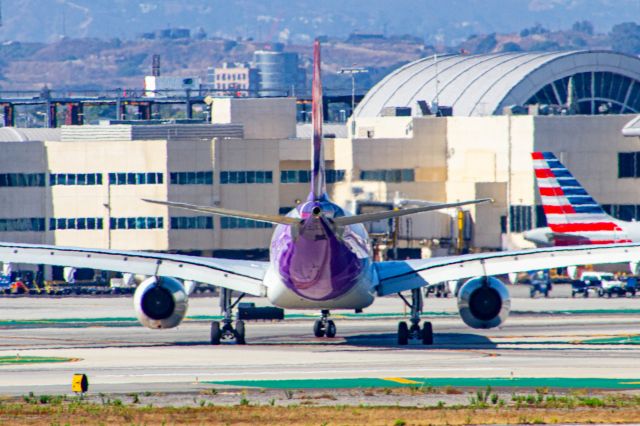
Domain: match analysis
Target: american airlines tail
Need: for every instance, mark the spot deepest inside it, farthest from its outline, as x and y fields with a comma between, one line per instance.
x=573, y=216
x=318, y=187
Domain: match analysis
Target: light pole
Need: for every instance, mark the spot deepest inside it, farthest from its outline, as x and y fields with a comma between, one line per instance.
x=352, y=71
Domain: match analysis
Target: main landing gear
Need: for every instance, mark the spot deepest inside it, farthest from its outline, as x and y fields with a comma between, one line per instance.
x=324, y=326
x=227, y=332
x=414, y=331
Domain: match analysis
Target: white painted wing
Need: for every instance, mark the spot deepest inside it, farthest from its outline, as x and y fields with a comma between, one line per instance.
x=239, y=275
x=409, y=274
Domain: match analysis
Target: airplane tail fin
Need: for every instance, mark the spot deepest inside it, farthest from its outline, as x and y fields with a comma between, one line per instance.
x=569, y=208
x=318, y=187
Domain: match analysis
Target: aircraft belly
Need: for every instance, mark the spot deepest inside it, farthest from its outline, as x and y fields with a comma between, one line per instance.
x=359, y=296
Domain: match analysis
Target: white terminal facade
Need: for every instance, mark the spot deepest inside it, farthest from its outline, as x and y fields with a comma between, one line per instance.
x=84, y=185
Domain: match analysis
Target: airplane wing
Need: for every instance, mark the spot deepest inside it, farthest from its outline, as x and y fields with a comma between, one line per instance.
x=397, y=276
x=239, y=275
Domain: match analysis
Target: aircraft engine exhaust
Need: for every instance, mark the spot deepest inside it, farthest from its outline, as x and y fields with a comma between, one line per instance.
x=160, y=302
x=484, y=302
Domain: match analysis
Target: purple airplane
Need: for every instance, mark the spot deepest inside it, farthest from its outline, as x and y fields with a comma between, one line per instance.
x=320, y=260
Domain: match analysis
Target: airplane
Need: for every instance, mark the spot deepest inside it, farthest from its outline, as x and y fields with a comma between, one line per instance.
x=573, y=216
x=320, y=259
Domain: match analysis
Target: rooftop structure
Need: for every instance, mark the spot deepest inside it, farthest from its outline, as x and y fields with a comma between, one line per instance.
x=579, y=82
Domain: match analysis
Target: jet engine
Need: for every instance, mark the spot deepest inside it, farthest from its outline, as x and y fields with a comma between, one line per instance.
x=484, y=302
x=160, y=302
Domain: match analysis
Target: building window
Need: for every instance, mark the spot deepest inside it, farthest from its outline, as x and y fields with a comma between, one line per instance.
x=142, y=178
x=521, y=219
x=75, y=179
x=192, y=222
x=246, y=176
x=304, y=176
x=626, y=212
x=75, y=223
x=136, y=223
x=21, y=179
x=628, y=164
x=392, y=176
x=191, y=178
x=27, y=224
x=238, y=223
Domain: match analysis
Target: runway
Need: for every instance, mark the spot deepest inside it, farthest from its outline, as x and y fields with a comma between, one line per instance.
x=544, y=338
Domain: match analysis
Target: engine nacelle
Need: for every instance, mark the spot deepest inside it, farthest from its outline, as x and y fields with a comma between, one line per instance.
x=160, y=302
x=484, y=302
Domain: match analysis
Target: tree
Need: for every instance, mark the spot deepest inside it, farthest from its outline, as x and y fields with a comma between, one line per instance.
x=585, y=27
x=510, y=46
x=487, y=44
x=625, y=38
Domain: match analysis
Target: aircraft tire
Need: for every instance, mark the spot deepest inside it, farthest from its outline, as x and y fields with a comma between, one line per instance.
x=239, y=332
x=318, y=330
x=216, y=333
x=427, y=333
x=331, y=329
x=403, y=333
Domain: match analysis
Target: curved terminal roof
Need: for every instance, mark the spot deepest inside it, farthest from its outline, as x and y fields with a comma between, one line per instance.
x=479, y=85
x=25, y=134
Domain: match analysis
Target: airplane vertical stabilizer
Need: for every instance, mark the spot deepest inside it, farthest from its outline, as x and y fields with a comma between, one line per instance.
x=569, y=208
x=318, y=189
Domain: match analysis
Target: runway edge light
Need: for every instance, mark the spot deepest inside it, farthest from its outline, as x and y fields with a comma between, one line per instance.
x=80, y=383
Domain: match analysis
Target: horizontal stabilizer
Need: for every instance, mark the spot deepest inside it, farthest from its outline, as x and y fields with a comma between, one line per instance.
x=277, y=219
x=388, y=214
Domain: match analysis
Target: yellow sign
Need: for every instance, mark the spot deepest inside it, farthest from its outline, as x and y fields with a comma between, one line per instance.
x=79, y=383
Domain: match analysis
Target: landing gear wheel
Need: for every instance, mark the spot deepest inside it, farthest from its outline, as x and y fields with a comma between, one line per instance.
x=318, y=329
x=216, y=333
x=427, y=333
x=240, y=333
x=403, y=333
x=331, y=329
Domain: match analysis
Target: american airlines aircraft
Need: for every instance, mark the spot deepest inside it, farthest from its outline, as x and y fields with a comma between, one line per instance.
x=573, y=216
x=320, y=259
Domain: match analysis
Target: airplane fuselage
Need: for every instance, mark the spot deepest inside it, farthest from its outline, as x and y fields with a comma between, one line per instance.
x=317, y=265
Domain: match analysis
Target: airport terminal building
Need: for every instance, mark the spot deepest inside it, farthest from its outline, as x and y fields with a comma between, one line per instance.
x=446, y=129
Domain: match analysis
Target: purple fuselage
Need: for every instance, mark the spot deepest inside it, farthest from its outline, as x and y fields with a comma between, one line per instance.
x=315, y=260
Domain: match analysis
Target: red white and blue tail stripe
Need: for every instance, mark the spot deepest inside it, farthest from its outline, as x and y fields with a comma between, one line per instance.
x=573, y=216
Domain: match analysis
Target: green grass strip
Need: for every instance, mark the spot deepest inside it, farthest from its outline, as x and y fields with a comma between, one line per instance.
x=10, y=360
x=311, y=315
x=523, y=382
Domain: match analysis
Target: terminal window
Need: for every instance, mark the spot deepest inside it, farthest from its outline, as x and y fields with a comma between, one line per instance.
x=131, y=178
x=136, y=223
x=27, y=224
x=80, y=223
x=628, y=164
x=192, y=222
x=238, y=223
x=75, y=179
x=191, y=178
x=246, y=176
x=392, y=175
x=521, y=219
x=21, y=179
x=304, y=176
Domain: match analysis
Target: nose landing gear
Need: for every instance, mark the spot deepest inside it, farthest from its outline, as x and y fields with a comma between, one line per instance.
x=226, y=331
x=324, y=326
x=405, y=333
